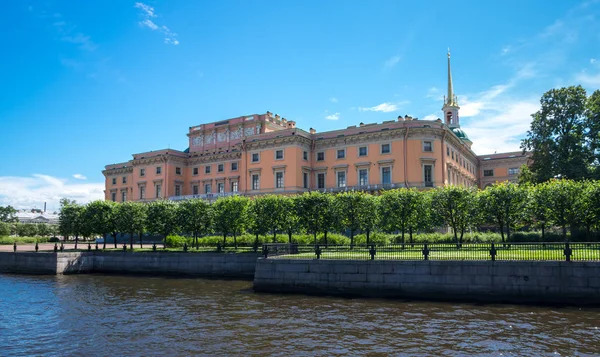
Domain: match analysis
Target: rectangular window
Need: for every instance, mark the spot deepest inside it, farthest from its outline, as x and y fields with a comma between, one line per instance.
x=195, y=171
x=452, y=154
x=279, y=180
x=341, y=179
x=255, y=157
x=220, y=187
x=304, y=180
x=177, y=190
x=320, y=180
x=220, y=168
x=320, y=156
x=234, y=186
x=158, y=191
x=113, y=196
x=363, y=177
x=195, y=190
x=114, y=180
x=513, y=171
x=341, y=153
x=207, y=169
x=124, y=179
x=488, y=172
x=207, y=188
x=386, y=175
x=447, y=151
x=428, y=175
x=362, y=151
x=142, y=192
x=178, y=171
x=255, y=182
x=427, y=146
x=234, y=166
x=278, y=154
x=305, y=155
x=142, y=172
x=158, y=170
x=123, y=196
x=385, y=148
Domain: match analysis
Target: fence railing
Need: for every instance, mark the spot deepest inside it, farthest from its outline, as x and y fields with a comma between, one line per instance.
x=439, y=251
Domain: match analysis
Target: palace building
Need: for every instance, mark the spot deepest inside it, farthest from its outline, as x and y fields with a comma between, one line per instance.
x=265, y=153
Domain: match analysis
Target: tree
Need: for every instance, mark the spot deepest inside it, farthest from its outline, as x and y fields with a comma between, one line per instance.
x=70, y=221
x=504, y=204
x=193, y=216
x=272, y=216
x=312, y=208
x=592, y=115
x=131, y=218
x=162, y=218
x=454, y=204
x=4, y=229
x=562, y=198
x=537, y=210
x=398, y=210
x=8, y=214
x=588, y=206
x=43, y=230
x=230, y=216
x=27, y=230
x=101, y=216
x=291, y=222
x=257, y=215
x=558, y=133
x=369, y=223
x=353, y=208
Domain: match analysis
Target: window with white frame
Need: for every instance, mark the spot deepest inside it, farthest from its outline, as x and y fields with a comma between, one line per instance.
x=195, y=171
x=234, y=186
x=428, y=175
x=113, y=196
x=341, y=153
x=177, y=190
x=220, y=187
x=195, y=190
x=385, y=148
x=341, y=178
x=321, y=180
x=123, y=196
x=513, y=171
x=178, y=171
x=158, y=170
x=158, y=190
x=278, y=154
x=386, y=175
x=142, y=172
x=234, y=166
x=362, y=151
x=114, y=181
x=255, y=182
x=279, y=179
x=488, y=173
x=321, y=156
x=220, y=167
x=427, y=146
x=305, y=155
x=305, y=180
x=142, y=192
x=207, y=169
x=255, y=157
x=207, y=188
x=363, y=177
x=124, y=179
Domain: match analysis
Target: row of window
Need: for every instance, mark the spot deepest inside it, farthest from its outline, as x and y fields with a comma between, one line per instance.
x=460, y=160
x=511, y=171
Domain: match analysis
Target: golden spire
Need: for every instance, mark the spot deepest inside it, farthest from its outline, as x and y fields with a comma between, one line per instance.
x=450, y=99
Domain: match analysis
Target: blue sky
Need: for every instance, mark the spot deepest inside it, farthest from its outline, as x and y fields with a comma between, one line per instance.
x=88, y=83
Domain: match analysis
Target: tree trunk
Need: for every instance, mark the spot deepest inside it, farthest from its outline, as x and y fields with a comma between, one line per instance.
x=235, y=241
x=326, y=242
x=165, y=242
x=351, y=238
x=502, y=232
x=141, y=245
x=315, y=234
x=507, y=232
x=131, y=240
x=224, y=239
x=368, y=233
x=115, y=238
x=256, y=240
x=564, y=229
x=410, y=234
x=543, y=232
x=403, y=234
x=104, y=242
x=274, y=236
x=290, y=236
x=76, y=240
x=455, y=234
x=462, y=232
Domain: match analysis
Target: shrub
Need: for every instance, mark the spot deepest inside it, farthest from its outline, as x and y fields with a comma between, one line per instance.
x=4, y=229
x=176, y=241
x=54, y=239
x=27, y=230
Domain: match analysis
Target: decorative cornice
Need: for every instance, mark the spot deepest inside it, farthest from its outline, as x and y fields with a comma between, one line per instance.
x=118, y=171
x=261, y=144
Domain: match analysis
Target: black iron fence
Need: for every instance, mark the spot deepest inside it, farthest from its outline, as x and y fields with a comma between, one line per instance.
x=440, y=251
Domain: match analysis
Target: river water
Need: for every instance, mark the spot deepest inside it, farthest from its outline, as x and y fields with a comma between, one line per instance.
x=96, y=315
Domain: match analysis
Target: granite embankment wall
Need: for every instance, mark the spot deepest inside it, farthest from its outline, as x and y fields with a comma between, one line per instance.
x=154, y=263
x=485, y=281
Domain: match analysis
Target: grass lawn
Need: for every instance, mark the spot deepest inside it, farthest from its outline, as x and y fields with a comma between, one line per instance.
x=555, y=253
x=23, y=240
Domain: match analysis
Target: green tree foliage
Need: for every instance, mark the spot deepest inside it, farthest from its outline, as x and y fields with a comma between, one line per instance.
x=503, y=204
x=455, y=206
x=4, y=229
x=162, y=218
x=290, y=223
x=8, y=214
x=399, y=210
x=562, y=198
x=587, y=206
x=352, y=210
x=131, y=218
x=272, y=217
x=230, y=216
x=70, y=221
x=101, y=216
x=593, y=130
x=537, y=209
x=369, y=222
x=194, y=217
x=27, y=229
x=563, y=134
x=313, y=210
x=43, y=230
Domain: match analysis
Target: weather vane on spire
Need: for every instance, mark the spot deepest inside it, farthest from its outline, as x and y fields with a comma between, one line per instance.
x=448, y=52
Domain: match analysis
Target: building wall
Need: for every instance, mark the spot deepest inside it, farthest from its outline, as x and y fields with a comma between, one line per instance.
x=504, y=167
x=512, y=282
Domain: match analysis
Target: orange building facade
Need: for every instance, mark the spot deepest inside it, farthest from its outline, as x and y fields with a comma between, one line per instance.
x=265, y=153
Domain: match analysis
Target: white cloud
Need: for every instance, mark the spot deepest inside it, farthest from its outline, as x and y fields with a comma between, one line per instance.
x=84, y=42
x=79, y=177
x=506, y=50
x=33, y=191
x=391, y=62
x=334, y=116
x=386, y=107
x=333, y=100
x=147, y=13
x=431, y=117
x=588, y=80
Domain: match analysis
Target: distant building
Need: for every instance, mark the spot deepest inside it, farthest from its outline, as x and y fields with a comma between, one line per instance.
x=265, y=153
x=35, y=217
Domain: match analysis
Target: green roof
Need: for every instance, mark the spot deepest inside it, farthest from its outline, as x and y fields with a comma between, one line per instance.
x=461, y=134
